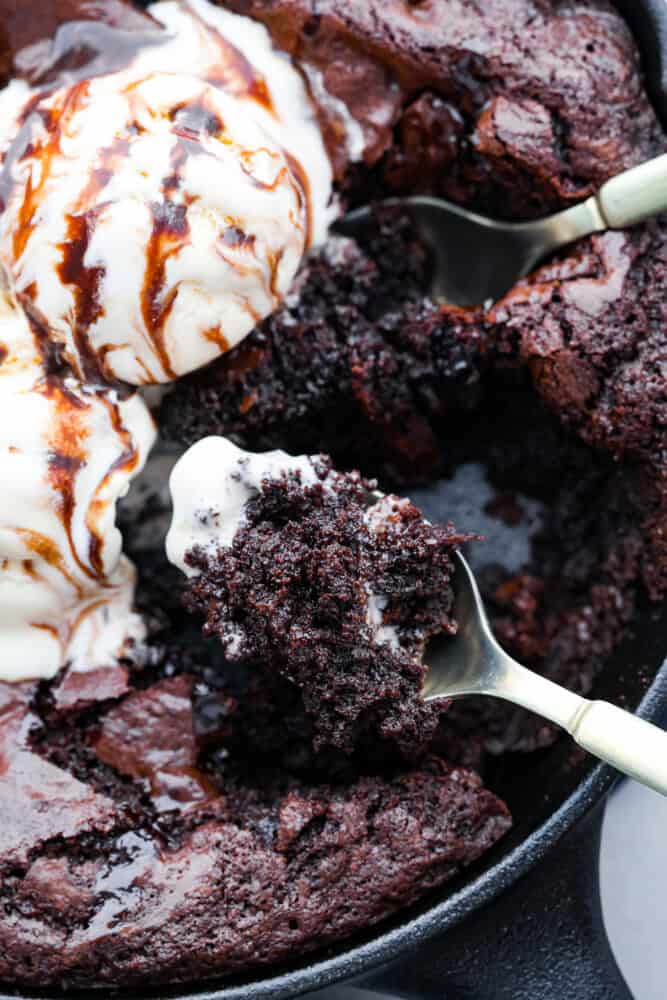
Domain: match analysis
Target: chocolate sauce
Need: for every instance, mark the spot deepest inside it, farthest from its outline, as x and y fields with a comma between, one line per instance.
x=109, y=159
x=151, y=737
x=84, y=49
x=195, y=118
x=127, y=461
x=274, y=262
x=38, y=801
x=214, y=335
x=68, y=456
x=48, y=551
x=169, y=235
x=233, y=236
x=235, y=74
x=85, y=283
x=305, y=196
x=46, y=146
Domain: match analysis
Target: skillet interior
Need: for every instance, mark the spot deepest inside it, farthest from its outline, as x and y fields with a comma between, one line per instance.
x=546, y=791
x=537, y=784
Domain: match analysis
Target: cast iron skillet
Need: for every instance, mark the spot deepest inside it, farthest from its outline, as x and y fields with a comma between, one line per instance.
x=543, y=939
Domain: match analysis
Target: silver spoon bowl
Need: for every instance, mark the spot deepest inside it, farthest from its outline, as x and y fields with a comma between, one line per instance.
x=473, y=663
x=477, y=260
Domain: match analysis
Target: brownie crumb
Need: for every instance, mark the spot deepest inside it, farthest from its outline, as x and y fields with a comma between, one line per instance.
x=337, y=591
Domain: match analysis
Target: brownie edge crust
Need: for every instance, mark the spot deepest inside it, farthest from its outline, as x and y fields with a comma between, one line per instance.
x=243, y=870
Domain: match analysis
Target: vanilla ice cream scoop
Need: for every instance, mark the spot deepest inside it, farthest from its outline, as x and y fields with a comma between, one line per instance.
x=210, y=487
x=149, y=224
x=67, y=454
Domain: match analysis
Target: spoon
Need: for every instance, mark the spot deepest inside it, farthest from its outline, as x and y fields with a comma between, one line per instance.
x=478, y=259
x=473, y=662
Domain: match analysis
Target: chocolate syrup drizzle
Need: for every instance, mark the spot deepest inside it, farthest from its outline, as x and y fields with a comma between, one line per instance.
x=79, y=52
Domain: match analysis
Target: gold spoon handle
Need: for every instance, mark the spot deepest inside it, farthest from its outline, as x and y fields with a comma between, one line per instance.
x=634, y=195
x=473, y=663
x=628, y=743
x=625, y=200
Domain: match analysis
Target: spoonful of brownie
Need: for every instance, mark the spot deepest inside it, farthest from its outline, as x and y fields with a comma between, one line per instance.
x=314, y=579
x=473, y=662
x=476, y=259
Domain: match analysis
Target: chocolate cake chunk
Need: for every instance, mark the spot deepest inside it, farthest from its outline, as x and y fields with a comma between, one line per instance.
x=77, y=691
x=301, y=866
x=152, y=884
x=517, y=106
x=591, y=329
x=577, y=331
x=398, y=376
x=309, y=574
x=357, y=363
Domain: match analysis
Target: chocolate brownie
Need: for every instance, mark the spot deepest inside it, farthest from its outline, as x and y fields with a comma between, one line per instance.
x=27, y=32
x=590, y=329
x=149, y=865
x=357, y=363
x=146, y=825
x=561, y=611
x=385, y=369
x=516, y=106
x=564, y=608
x=331, y=588
x=379, y=375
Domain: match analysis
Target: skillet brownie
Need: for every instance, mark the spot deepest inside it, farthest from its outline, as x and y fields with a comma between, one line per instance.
x=170, y=816
x=516, y=107
x=403, y=388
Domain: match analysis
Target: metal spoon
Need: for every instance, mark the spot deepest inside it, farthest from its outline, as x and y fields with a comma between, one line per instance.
x=472, y=662
x=478, y=259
